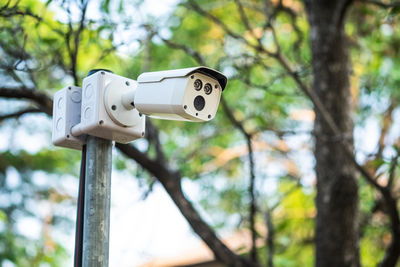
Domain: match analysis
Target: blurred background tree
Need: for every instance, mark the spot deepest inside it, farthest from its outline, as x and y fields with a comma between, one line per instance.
x=310, y=112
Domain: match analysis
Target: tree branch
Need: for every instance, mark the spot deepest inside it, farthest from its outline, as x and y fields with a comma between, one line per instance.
x=252, y=193
x=381, y=4
x=192, y=4
x=7, y=11
x=270, y=238
x=392, y=170
x=194, y=54
x=393, y=250
x=246, y=21
x=19, y=113
x=152, y=136
x=74, y=36
x=387, y=121
x=44, y=102
x=171, y=181
x=74, y=59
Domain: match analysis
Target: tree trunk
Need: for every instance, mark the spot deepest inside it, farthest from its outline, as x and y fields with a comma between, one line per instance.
x=337, y=227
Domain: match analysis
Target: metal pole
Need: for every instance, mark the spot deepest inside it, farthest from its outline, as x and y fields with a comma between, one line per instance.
x=96, y=229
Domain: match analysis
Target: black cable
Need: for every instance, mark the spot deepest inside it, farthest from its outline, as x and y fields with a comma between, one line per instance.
x=80, y=212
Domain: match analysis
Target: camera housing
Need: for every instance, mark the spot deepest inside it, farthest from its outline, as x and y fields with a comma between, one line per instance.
x=190, y=94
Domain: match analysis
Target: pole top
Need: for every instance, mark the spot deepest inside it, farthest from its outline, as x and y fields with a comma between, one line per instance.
x=93, y=71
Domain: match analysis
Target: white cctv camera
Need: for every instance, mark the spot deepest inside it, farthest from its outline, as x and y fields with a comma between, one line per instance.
x=112, y=107
x=190, y=94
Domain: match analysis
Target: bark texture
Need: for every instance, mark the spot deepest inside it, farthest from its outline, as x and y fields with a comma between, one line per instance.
x=337, y=230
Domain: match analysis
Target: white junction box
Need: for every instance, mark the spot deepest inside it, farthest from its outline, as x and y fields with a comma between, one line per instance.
x=97, y=91
x=100, y=112
x=66, y=114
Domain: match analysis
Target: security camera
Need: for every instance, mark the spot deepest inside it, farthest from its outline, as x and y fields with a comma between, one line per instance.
x=190, y=94
x=112, y=107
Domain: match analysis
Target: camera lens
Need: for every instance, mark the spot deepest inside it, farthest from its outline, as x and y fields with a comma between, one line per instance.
x=207, y=88
x=198, y=84
x=199, y=103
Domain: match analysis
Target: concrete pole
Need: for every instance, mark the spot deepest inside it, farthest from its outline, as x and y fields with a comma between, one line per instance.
x=96, y=229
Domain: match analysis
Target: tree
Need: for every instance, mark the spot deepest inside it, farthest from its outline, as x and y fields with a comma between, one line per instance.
x=337, y=198
x=337, y=227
